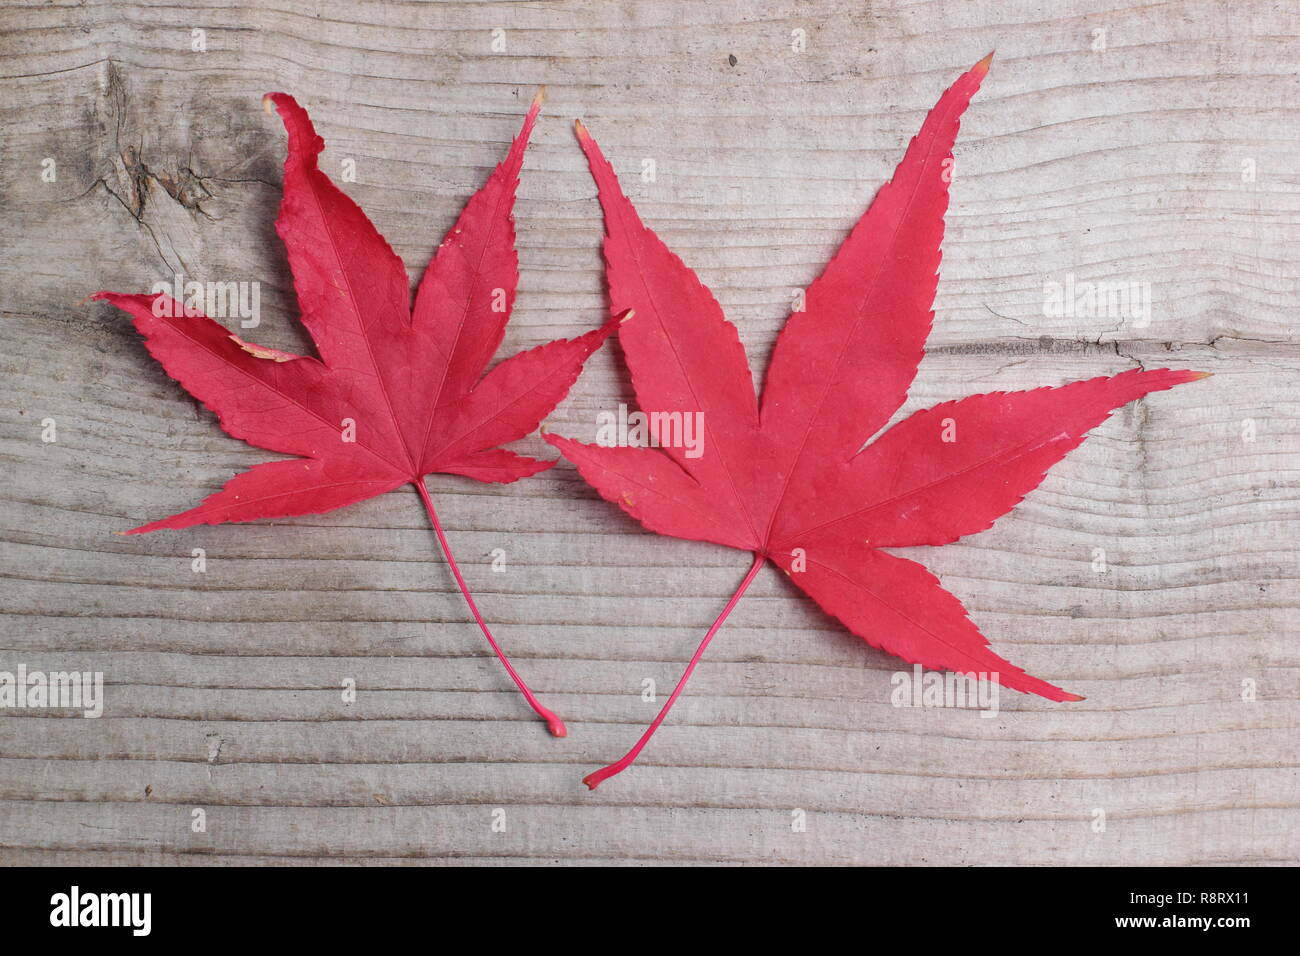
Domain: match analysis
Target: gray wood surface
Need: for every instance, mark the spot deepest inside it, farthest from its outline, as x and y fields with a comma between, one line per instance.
x=1128, y=163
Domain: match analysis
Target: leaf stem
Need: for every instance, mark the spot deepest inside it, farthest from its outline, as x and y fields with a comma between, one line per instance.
x=594, y=780
x=553, y=722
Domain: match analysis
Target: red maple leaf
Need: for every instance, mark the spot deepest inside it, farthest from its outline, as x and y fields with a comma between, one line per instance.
x=789, y=480
x=398, y=393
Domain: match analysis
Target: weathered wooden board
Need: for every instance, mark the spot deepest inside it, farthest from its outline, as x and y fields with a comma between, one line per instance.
x=1148, y=144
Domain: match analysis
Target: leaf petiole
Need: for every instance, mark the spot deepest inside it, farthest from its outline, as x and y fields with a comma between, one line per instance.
x=594, y=780
x=553, y=722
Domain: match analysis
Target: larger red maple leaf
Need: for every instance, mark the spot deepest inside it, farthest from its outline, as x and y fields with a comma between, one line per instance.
x=398, y=393
x=790, y=480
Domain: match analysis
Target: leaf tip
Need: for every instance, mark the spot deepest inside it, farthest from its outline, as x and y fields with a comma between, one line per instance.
x=1072, y=698
x=268, y=104
x=627, y=314
x=982, y=67
x=581, y=131
x=539, y=99
x=1197, y=376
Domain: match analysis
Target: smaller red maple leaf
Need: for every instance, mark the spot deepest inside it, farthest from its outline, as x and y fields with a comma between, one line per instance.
x=789, y=480
x=397, y=393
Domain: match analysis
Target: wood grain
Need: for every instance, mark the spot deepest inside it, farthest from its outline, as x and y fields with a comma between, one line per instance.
x=224, y=688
